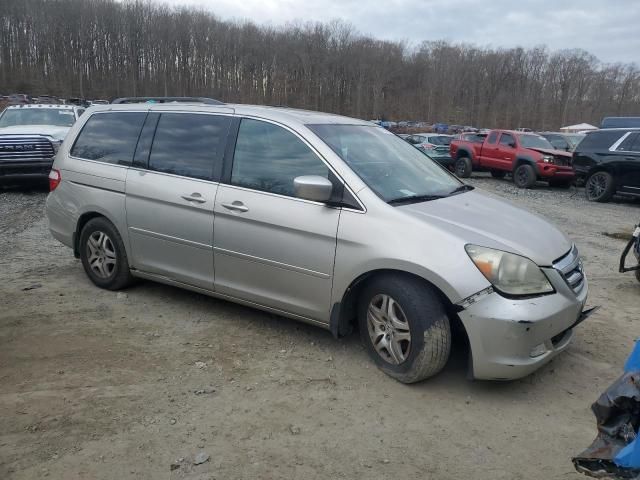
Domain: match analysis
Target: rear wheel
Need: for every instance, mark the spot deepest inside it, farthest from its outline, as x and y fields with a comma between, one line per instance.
x=599, y=187
x=463, y=167
x=103, y=255
x=498, y=173
x=404, y=327
x=524, y=176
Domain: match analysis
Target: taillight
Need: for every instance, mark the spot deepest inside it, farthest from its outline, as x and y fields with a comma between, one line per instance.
x=54, y=179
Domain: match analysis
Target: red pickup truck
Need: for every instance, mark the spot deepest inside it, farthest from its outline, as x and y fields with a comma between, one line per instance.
x=529, y=157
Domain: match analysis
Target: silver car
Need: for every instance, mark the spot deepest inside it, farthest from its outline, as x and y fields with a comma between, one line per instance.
x=325, y=219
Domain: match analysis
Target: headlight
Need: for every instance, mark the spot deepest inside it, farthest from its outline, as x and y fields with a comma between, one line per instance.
x=547, y=158
x=509, y=273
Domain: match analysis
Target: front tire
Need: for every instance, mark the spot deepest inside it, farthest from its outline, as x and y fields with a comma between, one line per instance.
x=599, y=187
x=404, y=327
x=103, y=255
x=463, y=167
x=524, y=176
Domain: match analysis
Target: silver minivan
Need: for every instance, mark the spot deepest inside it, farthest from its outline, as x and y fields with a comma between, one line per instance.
x=326, y=219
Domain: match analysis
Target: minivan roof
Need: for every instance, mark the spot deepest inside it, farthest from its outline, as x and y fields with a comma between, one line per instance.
x=285, y=115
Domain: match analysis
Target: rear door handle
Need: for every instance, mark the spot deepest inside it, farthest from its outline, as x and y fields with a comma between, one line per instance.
x=194, y=197
x=237, y=206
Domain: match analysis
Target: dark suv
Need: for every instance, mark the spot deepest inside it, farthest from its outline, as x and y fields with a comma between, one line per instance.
x=609, y=162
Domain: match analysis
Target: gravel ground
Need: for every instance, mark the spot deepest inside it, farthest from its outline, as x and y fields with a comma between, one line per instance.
x=162, y=383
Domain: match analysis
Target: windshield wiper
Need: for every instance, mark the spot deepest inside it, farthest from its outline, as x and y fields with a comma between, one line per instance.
x=461, y=188
x=414, y=199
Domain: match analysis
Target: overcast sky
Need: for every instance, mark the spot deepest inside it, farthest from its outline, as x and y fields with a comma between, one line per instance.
x=610, y=29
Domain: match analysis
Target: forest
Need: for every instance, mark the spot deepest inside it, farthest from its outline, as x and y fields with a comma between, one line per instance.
x=106, y=49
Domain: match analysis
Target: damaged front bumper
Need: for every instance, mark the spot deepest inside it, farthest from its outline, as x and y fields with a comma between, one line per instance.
x=511, y=338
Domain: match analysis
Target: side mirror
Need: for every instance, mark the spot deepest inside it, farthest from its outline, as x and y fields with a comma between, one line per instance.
x=313, y=187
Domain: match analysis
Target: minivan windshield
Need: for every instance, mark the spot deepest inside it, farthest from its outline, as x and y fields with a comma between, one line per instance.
x=392, y=168
x=60, y=117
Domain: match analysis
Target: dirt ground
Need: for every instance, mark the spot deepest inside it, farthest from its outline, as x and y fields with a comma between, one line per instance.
x=102, y=385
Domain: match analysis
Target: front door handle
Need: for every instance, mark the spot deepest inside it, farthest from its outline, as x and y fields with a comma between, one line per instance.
x=194, y=197
x=237, y=206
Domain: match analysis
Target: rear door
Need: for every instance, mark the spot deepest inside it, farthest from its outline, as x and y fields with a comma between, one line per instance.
x=270, y=247
x=170, y=193
x=506, y=152
x=627, y=163
x=489, y=151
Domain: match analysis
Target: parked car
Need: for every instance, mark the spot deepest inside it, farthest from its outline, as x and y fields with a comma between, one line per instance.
x=30, y=135
x=19, y=99
x=563, y=141
x=529, y=157
x=436, y=146
x=620, y=122
x=325, y=219
x=609, y=162
x=440, y=128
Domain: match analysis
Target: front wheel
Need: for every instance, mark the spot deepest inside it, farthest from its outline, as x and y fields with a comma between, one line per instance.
x=599, y=187
x=103, y=255
x=524, y=176
x=463, y=167
x=404, y=327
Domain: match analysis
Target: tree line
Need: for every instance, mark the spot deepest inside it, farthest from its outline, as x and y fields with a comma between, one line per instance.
x=108, y=49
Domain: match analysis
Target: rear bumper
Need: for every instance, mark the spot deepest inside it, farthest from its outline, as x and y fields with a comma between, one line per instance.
x=32, y=170
x=510, y=339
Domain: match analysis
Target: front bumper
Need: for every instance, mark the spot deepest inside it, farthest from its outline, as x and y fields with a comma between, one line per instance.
x=21, y=171
x=550, y=170
x=511, y=338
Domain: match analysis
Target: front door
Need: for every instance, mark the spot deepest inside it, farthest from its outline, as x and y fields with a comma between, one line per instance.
x=270, y=247
x=169, y=203
x=506, y=153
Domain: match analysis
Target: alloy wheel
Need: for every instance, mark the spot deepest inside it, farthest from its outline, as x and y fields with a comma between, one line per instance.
x=596, y=185
x=101, y=254
x=388, y=329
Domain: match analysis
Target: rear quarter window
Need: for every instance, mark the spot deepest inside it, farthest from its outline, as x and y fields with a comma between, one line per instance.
x=109, y=137
x=600, y=140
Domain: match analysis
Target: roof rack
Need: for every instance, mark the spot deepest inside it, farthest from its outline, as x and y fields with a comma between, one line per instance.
x=206, y=101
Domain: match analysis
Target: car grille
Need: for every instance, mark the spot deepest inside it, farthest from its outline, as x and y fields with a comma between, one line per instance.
x=570, y=266
x=562, y=161
x=25, y=148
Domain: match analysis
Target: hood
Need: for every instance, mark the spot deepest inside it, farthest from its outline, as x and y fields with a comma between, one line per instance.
x=482, y=219
x=548, y=151
x=57, y=133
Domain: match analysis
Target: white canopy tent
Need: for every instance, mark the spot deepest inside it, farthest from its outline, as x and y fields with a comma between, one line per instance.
x=580, y=127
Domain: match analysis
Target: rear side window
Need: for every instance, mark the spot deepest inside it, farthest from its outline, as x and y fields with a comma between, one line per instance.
x=507, y=140
x=492, y=137
x=600, y=140
x=109, y=137
x=268, y=158
x=630, y=143
x=188, y=144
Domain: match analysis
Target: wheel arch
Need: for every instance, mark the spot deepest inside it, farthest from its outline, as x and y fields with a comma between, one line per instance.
x=344, y=313
x=83, y=219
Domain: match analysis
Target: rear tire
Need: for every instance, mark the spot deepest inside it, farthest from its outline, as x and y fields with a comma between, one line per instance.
x=524, y=176
x=463, y=167
x=498, y=173
x=404, y=327
x=103, y=255
x=599, y=187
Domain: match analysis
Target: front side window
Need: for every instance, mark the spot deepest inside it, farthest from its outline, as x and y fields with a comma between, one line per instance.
x=268, y=158
x=188, y=144
x=109, y=137
x=395, y=171
x=60, y=117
